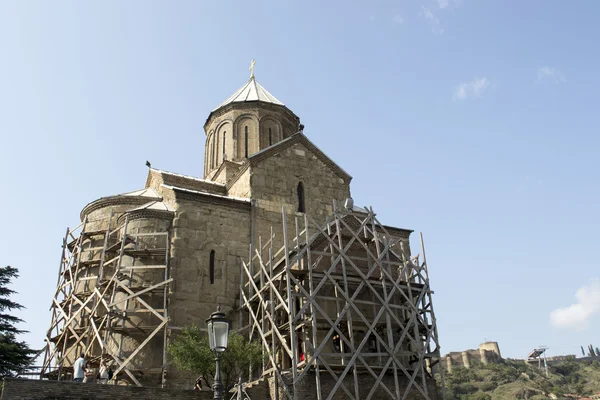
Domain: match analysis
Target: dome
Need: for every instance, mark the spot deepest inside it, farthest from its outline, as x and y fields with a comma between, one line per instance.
x=251, y=91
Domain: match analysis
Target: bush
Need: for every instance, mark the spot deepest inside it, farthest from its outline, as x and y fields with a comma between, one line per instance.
x=465, y=388
x=487, y=386
x=479, y=396
x=191, y=352
x=565, y=369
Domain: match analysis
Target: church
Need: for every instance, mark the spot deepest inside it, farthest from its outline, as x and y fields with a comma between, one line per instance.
x=270, y=234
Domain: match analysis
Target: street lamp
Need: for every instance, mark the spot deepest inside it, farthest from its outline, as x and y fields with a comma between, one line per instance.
x=218, y=332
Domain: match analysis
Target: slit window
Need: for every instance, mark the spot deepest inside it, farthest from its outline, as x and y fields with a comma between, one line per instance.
x=217, y=149
x=246, y=141
x=270, y=137
x=300, y=192
x=211, y=268
x=212, y=153
x=224, y=133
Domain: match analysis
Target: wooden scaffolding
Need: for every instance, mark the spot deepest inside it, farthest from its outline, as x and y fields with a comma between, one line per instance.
x=342, y=307
x=105, y=297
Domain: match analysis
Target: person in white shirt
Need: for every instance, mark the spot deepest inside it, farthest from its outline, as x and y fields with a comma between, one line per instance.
x=79, y=369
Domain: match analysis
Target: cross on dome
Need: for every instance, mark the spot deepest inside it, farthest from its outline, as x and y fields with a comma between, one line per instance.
x=251, y=91
x=252, y=69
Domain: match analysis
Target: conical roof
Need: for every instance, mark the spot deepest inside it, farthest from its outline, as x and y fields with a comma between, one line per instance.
x=251, y=91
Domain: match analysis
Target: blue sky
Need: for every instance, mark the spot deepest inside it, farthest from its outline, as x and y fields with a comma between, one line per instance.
x=475, y=122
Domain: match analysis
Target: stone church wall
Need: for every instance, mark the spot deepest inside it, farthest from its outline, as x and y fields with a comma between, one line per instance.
x=198, y=229
x=274, y=184
x=232, y=122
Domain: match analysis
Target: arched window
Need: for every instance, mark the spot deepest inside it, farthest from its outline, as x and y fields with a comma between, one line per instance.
x=224, y=133
x=246, y=141
x=300, y=190
x=211, y=268
x=270, y=137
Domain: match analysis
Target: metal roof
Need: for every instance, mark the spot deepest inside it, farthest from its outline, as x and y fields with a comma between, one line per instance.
x=251, y=91
x=160, y=171
x=149, y=192
x=155, y=206
x=206, y=193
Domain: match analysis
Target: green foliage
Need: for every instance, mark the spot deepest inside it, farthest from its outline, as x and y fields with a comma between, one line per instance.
x=461, y=374
x=505, y=372
x=487, y=386
x=479, y=396
x=191, y=352
x=14, y=355
x=465, y=388
x=569, y=370
x=518, y=380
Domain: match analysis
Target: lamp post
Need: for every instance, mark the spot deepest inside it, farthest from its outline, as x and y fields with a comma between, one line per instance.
x=218, y=333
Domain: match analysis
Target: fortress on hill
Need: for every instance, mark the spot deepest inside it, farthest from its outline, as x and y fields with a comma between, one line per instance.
x=342, y=307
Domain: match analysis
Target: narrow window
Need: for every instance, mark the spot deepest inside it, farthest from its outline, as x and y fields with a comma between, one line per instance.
x=217, y=149
x=212, y=153
x=300, y=190
x=246, y=141
x=224, y=133
x=270, y=137
x=211, y=270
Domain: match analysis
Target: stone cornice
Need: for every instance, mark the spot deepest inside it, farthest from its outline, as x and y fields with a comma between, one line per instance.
x=250, y=105
x=243, y=168
x=183, y=194
x=149, y=214
x=113, y=201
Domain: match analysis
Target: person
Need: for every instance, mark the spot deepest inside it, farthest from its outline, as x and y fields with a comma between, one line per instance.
x=103, y=372
x=198, y=385
x=79, y=369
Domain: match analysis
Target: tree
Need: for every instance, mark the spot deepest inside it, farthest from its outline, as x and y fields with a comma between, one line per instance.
x=191, y=352
x=14, y=355
x=582, y=351
x=591, y=353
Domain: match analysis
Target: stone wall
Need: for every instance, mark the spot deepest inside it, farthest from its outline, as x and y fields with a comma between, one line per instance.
x=198, y=229
x=492, y=347
x=305, y=390
x=486, y=353
x=274, y=182
x=26, y=389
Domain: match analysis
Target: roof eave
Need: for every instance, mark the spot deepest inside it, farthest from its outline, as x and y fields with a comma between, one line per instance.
x=233, y=104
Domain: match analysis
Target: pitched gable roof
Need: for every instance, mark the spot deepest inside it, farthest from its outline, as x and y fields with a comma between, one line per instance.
x=300, y=138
